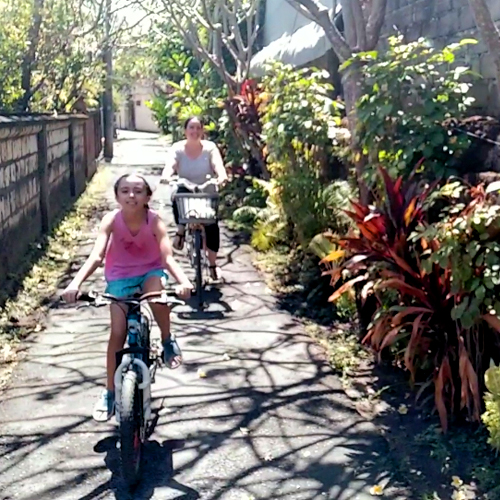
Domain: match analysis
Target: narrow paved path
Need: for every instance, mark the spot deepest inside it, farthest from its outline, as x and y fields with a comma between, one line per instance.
x=269, y=423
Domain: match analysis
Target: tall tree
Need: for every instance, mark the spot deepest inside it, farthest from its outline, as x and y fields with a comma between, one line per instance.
x=489, y=33
x=222, y=33
x=363, y=21
x=215, y=29
x=51, y=51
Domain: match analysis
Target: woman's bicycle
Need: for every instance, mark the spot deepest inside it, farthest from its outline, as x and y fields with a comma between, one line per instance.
x=197, y=209
x=135, y=373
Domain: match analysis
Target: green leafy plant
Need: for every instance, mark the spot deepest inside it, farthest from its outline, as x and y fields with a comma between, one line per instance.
x=491, y=416
x=49, y=55
x=301, y=127
x=410, y=90
x=301, y=122
x=263, y=212
x=190, y=97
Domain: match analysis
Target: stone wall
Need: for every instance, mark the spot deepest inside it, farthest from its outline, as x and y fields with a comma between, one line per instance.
x=444, y=22
x=45, y=164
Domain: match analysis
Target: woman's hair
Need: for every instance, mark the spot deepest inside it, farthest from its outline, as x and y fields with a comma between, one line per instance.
x=116, y=187
x=190, y=119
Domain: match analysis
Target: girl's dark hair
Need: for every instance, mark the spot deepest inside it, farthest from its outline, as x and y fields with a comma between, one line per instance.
x=116, y=187
x=188, y=121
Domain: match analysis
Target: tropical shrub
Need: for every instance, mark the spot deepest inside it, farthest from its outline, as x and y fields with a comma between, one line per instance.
x=301, y=122
x=410, y=90
x=241, y=123
x=442, y=282
x=301, y=127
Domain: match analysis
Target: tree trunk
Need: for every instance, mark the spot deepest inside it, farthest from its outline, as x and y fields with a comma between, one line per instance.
x=109, y=122
x=352, y=93
x=30, y=56
x=489, y=33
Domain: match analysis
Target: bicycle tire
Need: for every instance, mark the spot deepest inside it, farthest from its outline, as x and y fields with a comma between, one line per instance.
x=198, y=248
x=130, y=429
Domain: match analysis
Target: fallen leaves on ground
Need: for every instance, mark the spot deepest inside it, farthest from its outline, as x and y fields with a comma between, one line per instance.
x=377, y=490
x=202, y=373
x=8, y=353
x=403, y=409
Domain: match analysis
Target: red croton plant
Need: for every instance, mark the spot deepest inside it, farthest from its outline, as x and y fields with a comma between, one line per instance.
x=386, y=257
x=245, y=110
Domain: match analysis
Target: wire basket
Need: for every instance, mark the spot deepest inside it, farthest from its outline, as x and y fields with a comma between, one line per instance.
x=197, y=208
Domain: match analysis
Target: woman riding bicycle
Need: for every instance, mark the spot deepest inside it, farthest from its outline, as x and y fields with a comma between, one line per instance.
x=195, y=160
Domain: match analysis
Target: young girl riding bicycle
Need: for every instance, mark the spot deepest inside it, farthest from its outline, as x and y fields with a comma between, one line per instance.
x=134, y=244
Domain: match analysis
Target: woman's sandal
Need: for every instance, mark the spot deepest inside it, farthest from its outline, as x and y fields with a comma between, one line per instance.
x=178, y=242
x=171, y=350
x=214, y=275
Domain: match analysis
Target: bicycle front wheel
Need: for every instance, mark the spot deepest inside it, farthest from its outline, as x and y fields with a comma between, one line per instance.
x=130, y=429
x=198, y=249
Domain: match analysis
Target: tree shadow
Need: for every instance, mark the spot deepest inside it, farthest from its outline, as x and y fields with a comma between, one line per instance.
x=268, y=420
x=157, y=471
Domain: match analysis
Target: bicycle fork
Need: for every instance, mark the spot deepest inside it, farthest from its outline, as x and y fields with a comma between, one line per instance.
x=145, y=386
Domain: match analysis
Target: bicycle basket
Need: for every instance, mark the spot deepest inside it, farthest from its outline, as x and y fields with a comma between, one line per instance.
x=197, y=208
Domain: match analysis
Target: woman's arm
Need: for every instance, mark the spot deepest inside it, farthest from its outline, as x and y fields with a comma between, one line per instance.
x=94, y=260
x=218, y=164
x=160, y=231
x=171, y=164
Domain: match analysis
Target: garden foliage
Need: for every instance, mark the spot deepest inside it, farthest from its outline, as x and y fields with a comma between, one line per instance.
x=442, y=279
x=410, y=90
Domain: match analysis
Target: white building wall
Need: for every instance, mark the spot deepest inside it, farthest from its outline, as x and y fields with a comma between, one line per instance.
x=144, y=121
x=283, y=19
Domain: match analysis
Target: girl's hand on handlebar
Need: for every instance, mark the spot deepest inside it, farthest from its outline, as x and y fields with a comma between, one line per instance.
x=70, y=294
x=183, y=290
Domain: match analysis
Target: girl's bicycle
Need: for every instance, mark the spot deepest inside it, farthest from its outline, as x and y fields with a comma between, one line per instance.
x=197, y=209
x=136, y=369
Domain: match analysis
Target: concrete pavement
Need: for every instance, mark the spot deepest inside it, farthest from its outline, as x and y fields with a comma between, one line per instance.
x=270, y=420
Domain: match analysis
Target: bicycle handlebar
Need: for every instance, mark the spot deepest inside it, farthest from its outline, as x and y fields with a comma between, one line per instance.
x=165, y=297
x=180, y=181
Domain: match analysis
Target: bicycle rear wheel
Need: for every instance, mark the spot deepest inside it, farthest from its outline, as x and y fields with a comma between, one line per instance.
x=130, y=429
x=198, y=265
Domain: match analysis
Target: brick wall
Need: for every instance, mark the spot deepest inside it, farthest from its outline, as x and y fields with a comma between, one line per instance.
x=45, y=164
x=444, y=22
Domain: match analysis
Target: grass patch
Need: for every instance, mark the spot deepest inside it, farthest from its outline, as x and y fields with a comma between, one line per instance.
x=47, y=263
x=341, y=344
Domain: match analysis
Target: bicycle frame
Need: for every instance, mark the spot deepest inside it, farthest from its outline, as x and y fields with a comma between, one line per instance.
x=195, y=218
x=135, y=373
x=137, y=357
x=137, y=353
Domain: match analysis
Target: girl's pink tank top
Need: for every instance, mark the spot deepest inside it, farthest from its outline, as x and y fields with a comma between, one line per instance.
x=129, y=256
